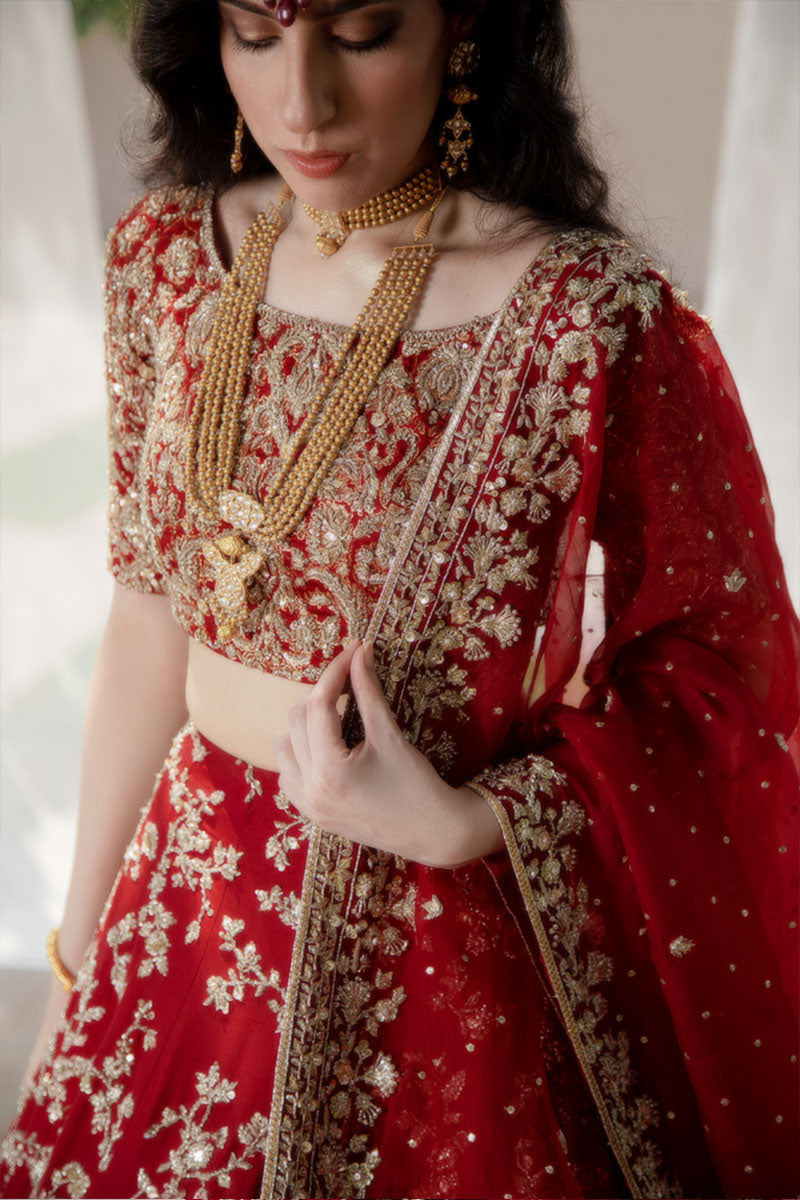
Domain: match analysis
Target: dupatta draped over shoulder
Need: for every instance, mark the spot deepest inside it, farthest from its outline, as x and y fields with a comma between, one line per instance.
x=589, y=600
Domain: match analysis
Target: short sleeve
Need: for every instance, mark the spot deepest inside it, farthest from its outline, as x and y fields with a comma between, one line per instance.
x=130, y=384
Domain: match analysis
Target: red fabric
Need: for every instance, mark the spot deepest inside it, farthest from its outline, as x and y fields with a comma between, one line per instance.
x=316, y=590
x=160, y=1079
x=656, y=819
x=147, y=1081
x=639, y=933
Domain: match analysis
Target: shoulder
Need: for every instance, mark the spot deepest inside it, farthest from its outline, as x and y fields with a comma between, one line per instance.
x=148, y=226
x=606, y=297
x=237, y=207
x=597, y=278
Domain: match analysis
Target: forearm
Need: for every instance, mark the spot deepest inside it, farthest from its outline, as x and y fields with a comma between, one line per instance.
x=135, y=706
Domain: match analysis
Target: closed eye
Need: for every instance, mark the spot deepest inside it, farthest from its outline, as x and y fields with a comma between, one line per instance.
x=380, y=40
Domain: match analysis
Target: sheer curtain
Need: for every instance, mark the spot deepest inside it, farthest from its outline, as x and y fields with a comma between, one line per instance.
x=54, y=587
x=755, y=249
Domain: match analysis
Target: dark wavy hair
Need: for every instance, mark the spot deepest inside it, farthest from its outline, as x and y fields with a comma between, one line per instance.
x=529, y=148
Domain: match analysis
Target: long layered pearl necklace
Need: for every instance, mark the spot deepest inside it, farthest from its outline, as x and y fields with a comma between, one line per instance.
x=214, y=432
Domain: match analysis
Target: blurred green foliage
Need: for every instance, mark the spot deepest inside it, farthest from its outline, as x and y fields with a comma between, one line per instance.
x=116, y=13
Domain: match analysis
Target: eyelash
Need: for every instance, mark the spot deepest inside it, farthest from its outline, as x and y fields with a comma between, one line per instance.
x=376, y=43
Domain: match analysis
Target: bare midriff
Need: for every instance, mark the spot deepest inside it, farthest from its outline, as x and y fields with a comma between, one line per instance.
x=241, y=710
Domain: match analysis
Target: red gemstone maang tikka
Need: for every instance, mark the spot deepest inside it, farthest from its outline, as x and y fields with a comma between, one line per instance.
x=286, y=10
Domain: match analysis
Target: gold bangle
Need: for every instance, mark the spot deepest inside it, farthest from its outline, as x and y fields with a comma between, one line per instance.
x=64, y=976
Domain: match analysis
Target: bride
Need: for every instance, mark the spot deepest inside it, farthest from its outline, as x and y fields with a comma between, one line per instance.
x=396, y=918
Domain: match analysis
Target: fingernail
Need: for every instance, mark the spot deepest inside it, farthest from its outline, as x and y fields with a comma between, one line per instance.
x=369, y=654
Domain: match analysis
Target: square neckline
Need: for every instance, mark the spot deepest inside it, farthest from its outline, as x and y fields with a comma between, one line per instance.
x=433, y=336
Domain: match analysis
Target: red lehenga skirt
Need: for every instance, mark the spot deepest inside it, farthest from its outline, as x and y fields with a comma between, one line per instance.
x=159, y=1081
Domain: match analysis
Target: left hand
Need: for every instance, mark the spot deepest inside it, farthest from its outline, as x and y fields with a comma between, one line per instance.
x=383, y=792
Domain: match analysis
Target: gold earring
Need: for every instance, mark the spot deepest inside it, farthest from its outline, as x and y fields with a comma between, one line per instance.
x=462, y=61
x=236, y=157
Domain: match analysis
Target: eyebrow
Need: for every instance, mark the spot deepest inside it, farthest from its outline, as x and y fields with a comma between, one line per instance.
x=336, y=9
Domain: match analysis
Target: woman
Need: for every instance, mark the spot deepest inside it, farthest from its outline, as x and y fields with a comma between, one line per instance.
x=418, y=905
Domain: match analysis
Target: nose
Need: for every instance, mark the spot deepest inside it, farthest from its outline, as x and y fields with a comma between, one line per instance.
x=307, y=98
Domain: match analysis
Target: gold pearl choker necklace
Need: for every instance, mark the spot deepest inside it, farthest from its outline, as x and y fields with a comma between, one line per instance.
x=236, y=554
x=389, y=206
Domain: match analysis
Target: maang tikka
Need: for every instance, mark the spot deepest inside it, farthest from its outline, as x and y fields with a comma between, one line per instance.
x=462, y=61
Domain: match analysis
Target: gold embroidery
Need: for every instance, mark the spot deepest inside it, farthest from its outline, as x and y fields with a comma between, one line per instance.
x=575, y=972
x=436, y=617
x=187, y=856
x=301, y=599
x=247, y=972
x=112, y=1103
x=188, y=1162
x=73, y=1177
x=679, y=947
x=506, y=463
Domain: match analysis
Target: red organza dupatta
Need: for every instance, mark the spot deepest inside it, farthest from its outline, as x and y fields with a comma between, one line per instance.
x=651, y=827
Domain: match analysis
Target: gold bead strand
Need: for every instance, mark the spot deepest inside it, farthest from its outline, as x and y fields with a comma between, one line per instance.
x=398, y=285
x=214, y=433
x=213, y=429
x=253, y=283
x=209, y=406
x=250, y=287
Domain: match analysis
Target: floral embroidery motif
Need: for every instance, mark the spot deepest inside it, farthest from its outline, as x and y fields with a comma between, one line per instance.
x=188, y=860
x=346, y=996
x=73, y=1178
x=477, y=583
x=247, y=972
x=107, y=1078
x=679, y=947
x=105, y=1081
x=311, y=593
x=288, y=835
x=735, y=580
x=198, y=1146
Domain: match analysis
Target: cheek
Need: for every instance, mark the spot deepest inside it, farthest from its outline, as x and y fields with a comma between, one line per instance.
x=406, y=98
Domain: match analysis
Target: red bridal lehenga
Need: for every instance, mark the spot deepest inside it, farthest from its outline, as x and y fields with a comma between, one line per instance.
x=607, y=1006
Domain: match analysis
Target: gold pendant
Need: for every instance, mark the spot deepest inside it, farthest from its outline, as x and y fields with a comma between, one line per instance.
x=234, y=563
x=332, y=235
x=233, y=560
x=326, y=245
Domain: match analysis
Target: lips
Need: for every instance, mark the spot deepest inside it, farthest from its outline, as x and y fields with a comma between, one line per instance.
x=319, y=164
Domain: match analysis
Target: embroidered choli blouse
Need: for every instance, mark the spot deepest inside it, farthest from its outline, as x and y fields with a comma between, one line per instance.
x=318, y=590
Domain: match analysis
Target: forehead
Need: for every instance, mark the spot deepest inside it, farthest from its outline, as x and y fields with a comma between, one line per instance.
x=320, y=9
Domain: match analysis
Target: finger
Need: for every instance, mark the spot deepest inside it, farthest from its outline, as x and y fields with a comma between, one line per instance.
x=298, y=733
x=376, y=715
x=323, y=722
x=333, y=679
x=290, y=778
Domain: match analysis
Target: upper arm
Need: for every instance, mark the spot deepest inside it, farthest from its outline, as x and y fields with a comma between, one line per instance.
x=145, y=621
x=130, y=382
